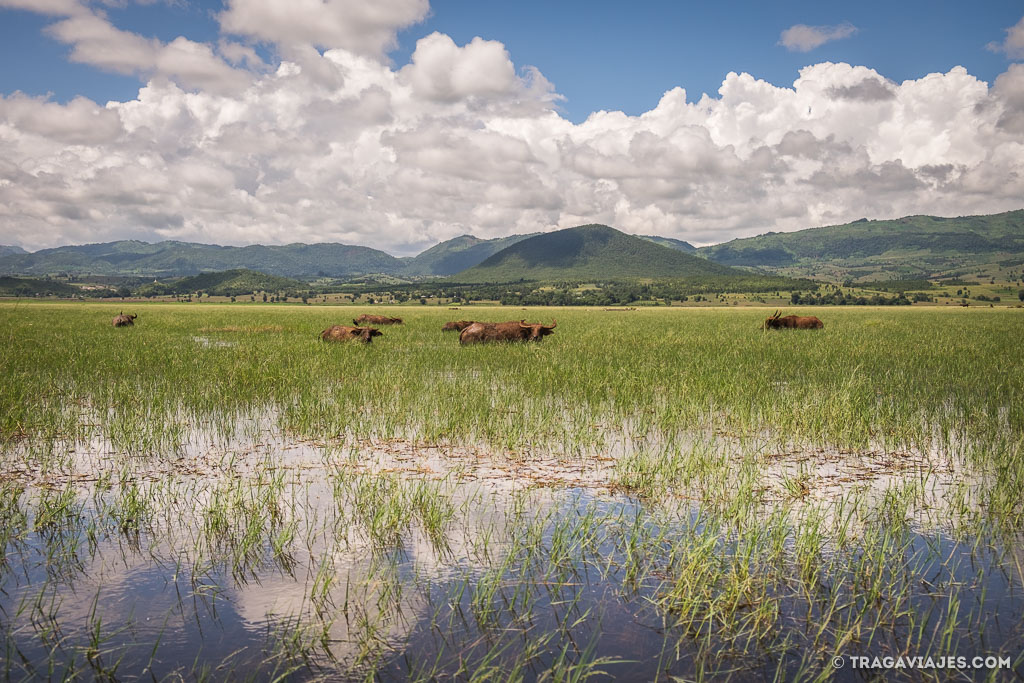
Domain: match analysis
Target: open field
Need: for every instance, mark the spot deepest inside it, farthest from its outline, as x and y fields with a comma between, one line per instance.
x=649, y=493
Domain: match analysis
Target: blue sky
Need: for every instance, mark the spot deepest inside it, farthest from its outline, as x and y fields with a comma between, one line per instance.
x=599, y=55
x=400, y=123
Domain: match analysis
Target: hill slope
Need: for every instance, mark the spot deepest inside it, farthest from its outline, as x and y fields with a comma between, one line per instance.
x=587, y=252
x=28, y=286
x=458, y=254
x=227, y=283
x=915, y=246
x=670, y=242
x=168, y=259
x=7, y=250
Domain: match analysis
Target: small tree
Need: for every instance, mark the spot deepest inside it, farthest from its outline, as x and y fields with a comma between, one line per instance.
x=1020, y=295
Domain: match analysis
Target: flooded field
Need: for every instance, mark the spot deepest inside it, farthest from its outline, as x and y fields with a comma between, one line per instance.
x=645, y=495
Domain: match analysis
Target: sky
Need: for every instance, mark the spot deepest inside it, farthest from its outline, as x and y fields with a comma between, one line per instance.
x=400, y=123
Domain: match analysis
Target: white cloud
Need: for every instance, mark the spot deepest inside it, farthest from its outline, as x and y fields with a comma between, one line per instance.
x=79, y=122
x=339, y=146
x=367, y=27
x=95, y=41
x=1013, y=45
x=803, y=38
x=441, y=70
x=238, y=54
x=55, y=7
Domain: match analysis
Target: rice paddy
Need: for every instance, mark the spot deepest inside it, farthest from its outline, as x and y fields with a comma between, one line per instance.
x=651, y=494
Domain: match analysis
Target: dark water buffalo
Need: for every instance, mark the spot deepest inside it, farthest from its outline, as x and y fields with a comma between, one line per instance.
x=365, y=319
x=796, y=322
x=515, y=330
x=122, y=320
x=456, y=325
x=339, y=333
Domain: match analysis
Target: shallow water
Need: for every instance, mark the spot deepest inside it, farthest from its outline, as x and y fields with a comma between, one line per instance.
x=252, y=552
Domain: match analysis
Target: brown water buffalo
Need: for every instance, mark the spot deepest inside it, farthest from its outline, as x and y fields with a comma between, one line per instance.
x=456, y=325
x=366, y=319
x=122, y=320
x=796, y=322
x=515, y=330
x=339, y=333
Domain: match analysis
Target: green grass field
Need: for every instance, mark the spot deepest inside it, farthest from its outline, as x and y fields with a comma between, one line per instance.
x=654, y=492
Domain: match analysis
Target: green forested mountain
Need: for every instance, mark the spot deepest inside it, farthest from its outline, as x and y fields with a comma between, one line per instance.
x=589, y=251
x=227, y=283
x=457, y=254
x=670, y=242
x=168, y=259
x=6, y=250
x=915, y=246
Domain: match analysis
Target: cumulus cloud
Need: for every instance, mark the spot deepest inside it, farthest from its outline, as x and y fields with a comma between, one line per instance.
x=441, y=70
x=367, y=27
x=804, y=38
x=55, y=7
x=480, y=73
x=1013, y=45
x=868, y=90
x=80, y=122
x=95, y=41
x=339, y=146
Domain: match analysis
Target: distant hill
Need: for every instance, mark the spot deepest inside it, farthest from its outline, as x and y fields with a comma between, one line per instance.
x=915, y=246
x=670, y=242
x=589, y=252
x=169, y=259
x=6, y=249
x=458, y=254
x=227, y=283
x=30, y=286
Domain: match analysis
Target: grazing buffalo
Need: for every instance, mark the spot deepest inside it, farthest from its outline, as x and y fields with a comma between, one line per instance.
x=515, y=330
x=339, y=333
x=456, y=325
x=122, y=320
x=365, y=319
x=796, y=322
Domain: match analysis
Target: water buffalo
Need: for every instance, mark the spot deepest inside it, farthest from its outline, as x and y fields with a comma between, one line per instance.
x=515, y=330
x=339, y=333
x=122, y=320
x=456, y=325
x=796, y=322
x=365, y=319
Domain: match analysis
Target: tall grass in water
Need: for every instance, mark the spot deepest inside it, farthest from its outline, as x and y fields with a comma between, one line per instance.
x=718, y=531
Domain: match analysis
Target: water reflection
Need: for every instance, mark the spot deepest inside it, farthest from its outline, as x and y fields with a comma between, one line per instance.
x=259, y=553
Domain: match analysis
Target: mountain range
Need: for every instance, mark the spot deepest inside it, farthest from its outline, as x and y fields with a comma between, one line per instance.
x=904, y=248
x=131, y=258
x=910, y=247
